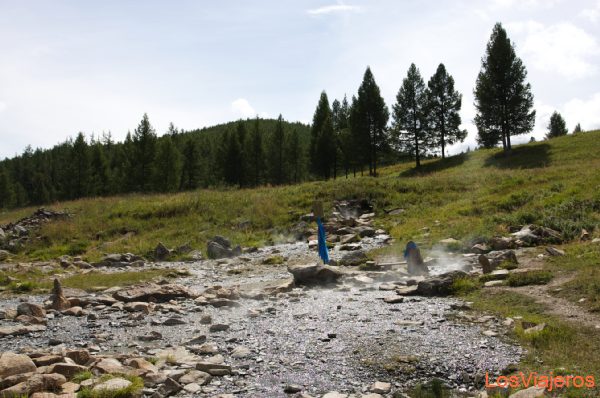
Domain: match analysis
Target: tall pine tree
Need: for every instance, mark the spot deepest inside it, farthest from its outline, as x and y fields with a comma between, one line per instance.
x=190, y=171
x=322, y=142
x=168, y=165
x=144, y=144
x=255, y=153
x=443, y=106
x=503, y=100
x=373, y=115
x=80, y=168
x=411, y=116
x=276, y=148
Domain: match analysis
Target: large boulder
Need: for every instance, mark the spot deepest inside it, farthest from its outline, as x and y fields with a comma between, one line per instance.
x=31, y=309
x=161, y=252
x=534, y=235
x=354, y=258
x=220, y=247
x=440, y=285
x=14, y=364
x=489, y=262
x=153, y=293
x=36, y=383
x=314, y=274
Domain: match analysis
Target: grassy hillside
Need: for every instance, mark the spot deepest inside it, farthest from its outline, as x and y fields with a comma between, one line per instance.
x=555, y=183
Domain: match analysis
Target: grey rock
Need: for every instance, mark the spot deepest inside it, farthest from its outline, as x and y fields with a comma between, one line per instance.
x=314, y=274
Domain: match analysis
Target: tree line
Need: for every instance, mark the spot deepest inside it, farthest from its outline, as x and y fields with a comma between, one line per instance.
x=346, y=136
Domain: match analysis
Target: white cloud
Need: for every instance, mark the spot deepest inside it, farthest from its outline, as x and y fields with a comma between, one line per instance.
x=242, y=107
x=562, y=48
x=524, y=3
x=586, y=112
x=592, y=14
x=334, y=8
x=2, y=106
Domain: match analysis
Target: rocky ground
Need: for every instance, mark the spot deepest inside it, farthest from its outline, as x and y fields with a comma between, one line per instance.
x=263, y=323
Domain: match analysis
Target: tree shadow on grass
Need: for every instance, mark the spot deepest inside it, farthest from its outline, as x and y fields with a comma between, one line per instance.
x=522, y=157
x=436, y=165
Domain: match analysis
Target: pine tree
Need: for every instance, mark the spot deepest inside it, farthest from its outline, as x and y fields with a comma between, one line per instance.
x=321, y=152
x=276, y=147
x=7, y=195
x=190, y=172
x=99, y=180
x=232, y=158
x=502, y=98
x=144, y=140
x=241, y=137
x=373, y=115
x=80, y=167
x=557, y=126
x=255, y=153
x=577, y=129
x=294, y=155
x=443, y=106
x=356, y=141
x=410, y=115
x=168, y=165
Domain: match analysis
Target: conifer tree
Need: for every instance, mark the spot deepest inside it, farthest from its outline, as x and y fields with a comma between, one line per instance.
x=191, y=166
x=80, y=169
x=503, y=100
x=294, y=156
x=557, y=126
x=322, y=142
x=411, y=117
x=372, y=117
x=255, y=153
x=577, y=129
x=7, y=195
x=232, y=158
x=276, y=148
x=99, y=179
x=444, y=104
x=144, y=140
x=168, y=165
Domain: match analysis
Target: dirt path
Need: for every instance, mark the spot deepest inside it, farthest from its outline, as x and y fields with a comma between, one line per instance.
x=556, y=306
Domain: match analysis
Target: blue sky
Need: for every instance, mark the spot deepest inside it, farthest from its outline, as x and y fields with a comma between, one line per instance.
x=70, y=66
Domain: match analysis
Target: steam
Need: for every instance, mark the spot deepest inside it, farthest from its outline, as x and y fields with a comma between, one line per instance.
x=439, y=261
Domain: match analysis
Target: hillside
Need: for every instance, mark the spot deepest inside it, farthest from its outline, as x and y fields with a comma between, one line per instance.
x=543, y=317
x=554, y=183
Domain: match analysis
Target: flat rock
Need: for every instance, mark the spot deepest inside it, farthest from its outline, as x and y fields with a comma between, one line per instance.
x=152, y=293
x=111, y=385
x=531, y=392
x=380, y=387
x=14, y=364
x=314, y=274
x=21, y=329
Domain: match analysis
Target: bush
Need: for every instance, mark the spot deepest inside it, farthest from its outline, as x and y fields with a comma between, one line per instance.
x=529, y=278
x=464, y=286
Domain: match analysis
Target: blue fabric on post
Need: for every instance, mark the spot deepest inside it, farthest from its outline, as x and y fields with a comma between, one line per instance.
x=323, y=252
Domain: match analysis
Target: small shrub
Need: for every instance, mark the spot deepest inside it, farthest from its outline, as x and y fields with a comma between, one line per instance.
x=273, y=260
x=76, y=248
x=529, y=278
x=81, y=376
x=464, y=286
x=134, y=390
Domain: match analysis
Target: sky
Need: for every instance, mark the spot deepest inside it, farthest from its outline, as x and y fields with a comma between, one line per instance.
x=95, y=67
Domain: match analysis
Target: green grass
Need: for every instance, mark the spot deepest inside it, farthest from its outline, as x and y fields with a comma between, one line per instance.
x=561, y=345
x=529, y=278
x=464, y=286
x=134, y=390
x=81, y=376
x=479, y=194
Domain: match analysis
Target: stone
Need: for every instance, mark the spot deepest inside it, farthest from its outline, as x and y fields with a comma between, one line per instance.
x=173, y=321
x=137, y=306
x=14, y=364
x=218, y=327
x=205, y=320
x=371, y=395
x=210, y=367
x=314, y=274
x=152, y=336
x=531, y=392
x=533, y=329
x=110, y=365
x=381, y=387
x=67, y=369
x=161, y=252
x=152, y=293
x=141, y=363
x=393, y=299
x=36, y=383
x=47, y=360
x=354, y=258
x=501, y=243
x=292, y=388
x=192, y=388
x=70, y=388
x=31, y=310
x=195, y=376
x=335, y=394
x=220, y=247
x=407, y=290
x=112, y=385
x=440, y=285
x=74, y=311
x=59, y=301
x=585, y=235
x=494, y=283
x=169, y=387
x=241, y=352
x=480, y=248
x=554, y=251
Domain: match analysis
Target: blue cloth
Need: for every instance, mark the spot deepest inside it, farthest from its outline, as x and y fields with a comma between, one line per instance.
x=409, y=246
x=323, y=252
